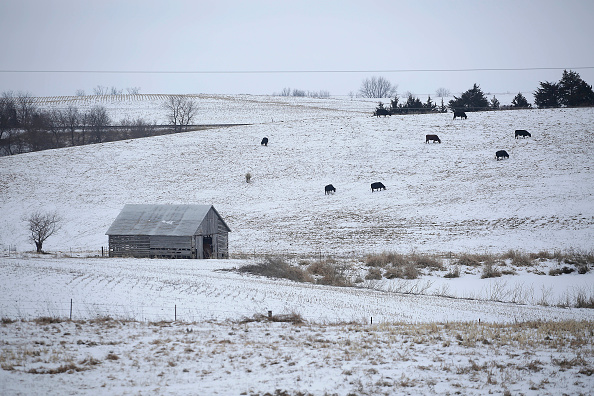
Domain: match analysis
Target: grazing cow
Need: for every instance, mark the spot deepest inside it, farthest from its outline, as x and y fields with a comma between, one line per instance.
x=329, y=189
x=433, y=138
x=459, y=113
x=522, y=133
x=264, y=142
x=501, y=154
x=384, y=112
x=377, y=186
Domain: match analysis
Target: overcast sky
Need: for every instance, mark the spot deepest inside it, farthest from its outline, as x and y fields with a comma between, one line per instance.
x=53, y=47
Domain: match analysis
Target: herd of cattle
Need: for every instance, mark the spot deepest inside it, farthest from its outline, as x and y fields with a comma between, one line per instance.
x=377, y=186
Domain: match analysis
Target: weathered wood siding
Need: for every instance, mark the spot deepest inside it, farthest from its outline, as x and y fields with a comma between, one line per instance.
x=172, y=246
x=222, y=241
x=129, y=246
x=210, y=224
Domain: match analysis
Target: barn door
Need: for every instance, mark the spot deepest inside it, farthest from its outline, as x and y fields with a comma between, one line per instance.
x=207, y=247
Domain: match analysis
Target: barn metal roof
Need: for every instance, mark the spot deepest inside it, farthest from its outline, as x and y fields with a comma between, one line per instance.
x=171, y=220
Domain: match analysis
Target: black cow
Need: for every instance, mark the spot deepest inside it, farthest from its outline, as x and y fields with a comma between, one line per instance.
x=329, y=189
x=377, y=186
x=432, y=138
x=379, y=112
x=264, y=142
x=522, y=133
x=459, y=113
x=501, y=154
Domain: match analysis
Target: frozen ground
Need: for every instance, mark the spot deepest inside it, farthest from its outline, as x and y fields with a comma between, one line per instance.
x=261, y=358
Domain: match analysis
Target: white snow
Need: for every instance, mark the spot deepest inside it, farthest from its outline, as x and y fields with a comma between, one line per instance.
x=440, y=198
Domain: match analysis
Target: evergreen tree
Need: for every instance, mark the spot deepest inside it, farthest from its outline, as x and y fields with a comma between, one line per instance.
x=574, y=91
x=494, y=103
x=548, y=95
x=429, y=105
x=520, y=102
x=472, y=100
x=413, y=102
x=394, y=105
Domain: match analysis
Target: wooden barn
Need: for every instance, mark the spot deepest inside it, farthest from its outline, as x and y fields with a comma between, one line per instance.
x=170, y=231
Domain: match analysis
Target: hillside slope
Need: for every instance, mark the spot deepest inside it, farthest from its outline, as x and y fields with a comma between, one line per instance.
x=452, y=196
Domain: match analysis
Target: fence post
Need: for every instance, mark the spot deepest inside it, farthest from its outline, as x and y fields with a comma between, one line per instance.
x=70, y=309
x=270, y=314
x=175, y=313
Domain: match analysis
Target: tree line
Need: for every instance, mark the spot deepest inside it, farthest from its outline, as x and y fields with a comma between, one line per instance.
x=24, y=127
x=570, y=91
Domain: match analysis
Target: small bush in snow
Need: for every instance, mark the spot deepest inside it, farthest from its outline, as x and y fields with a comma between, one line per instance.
x=248, y=177
x=408, y=271
x=374, y=274
x=490, y=271
x=275, y=267
x=426, y=261
x=518, y=258
x=454, y=273
x=561, y=271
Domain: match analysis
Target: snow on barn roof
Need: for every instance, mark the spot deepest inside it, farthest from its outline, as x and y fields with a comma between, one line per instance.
x=171, y=220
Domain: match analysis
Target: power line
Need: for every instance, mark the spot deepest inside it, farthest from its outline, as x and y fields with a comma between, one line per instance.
x=291, y=71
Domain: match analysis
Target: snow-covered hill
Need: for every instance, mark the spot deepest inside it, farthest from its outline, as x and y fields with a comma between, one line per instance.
x=452, y=196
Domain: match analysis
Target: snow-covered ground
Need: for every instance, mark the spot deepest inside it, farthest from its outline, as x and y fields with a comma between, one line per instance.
x=109, y=357
x=445, y=199
x=452, y=196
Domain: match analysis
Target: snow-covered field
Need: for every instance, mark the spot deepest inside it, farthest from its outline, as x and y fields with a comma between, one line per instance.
x=452, y=196
x=446, y=199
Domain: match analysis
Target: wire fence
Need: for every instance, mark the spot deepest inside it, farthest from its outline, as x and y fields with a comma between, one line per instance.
x=183, y=313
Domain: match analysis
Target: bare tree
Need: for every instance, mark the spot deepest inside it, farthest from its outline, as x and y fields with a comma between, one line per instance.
x=100, y=90
x=42, y=226
x=98, y=120
x=71, y=118
x=133, y=90
x=377, y=87
x=181, y=111
x=80, y=92
x=442, y=93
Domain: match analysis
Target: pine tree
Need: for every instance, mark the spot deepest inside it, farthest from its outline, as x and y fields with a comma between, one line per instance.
x=495, y=103
x=574, y=91
x=520, y=102
x=472, y=100
x=547, y=95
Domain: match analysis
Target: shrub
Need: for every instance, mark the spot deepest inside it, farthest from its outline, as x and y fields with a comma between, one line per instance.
x=490, y=271
x=582, y=269
x=248, y=177
x=474, y=260
x=411, y=272
x=331, y=274
x=383, y=259
x=394, y=272
x=373, y=274
x=541, y=255
x=581, y=301
x=518, y=258
x=454, y=272
x=560, y=271
x=275, y=267
x=426, y=261
x=408, y=271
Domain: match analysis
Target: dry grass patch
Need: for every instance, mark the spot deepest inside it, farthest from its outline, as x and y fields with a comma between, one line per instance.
x=276, y=267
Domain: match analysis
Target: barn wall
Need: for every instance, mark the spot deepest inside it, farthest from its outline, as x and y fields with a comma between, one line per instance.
x=171, y=246
x=222, y=241
x=129, y=246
